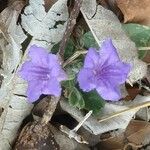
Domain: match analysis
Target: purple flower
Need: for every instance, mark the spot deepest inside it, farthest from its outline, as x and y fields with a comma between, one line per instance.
x=43, y=73
x=103, y=71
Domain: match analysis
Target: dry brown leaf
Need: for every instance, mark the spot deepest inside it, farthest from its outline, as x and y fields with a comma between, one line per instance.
x=136, y=135
x=147, y=57
x=138, y=132
x=135, y=11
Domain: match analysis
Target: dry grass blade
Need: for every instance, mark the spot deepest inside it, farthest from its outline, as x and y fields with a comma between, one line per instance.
x=73, y=57
x=132, y=108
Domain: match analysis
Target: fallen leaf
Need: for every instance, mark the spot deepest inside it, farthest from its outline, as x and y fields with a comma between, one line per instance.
x=47, y=28
x=113, y=143
x=138, y=132
x=135, y=11
x=38, y=136
x=45, y=32
x=136, y=135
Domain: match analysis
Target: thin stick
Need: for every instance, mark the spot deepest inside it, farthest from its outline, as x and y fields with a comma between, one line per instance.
x=75, y=136
x=73, y=57
x=81, y=123
x=132, y=108
x=71, y=23
x=72, y=133
x=144, y=48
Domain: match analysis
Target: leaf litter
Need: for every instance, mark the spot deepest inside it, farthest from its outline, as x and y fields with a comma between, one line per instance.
x=51, y=23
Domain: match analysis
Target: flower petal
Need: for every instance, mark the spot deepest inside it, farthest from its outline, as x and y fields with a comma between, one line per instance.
x=38, y=55
x=33, y=91
x=116, y=73
x=52, y=87
x=86, y=79
x=25, y=71
x=30, y=71
x=108, y=53
x=53, y=60
x=91, y=58
x=107, y=91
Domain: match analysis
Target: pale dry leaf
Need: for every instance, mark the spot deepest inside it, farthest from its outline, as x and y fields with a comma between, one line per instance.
x=104, y=24
x=47, y=28
x=12, y=95
x=119, y=122
x=15, y=108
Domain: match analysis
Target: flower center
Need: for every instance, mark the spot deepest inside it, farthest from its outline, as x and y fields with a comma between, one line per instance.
x=41, y=72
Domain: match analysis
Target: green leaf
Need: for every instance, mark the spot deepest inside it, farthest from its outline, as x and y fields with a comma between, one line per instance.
x=93, y=101
x=142, y=53
x=89, y=40
x=76, y=99
x=68, y=84
x=69, y=49
x=140, y=34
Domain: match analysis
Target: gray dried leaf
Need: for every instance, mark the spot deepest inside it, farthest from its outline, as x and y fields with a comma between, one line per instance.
x=46, y=29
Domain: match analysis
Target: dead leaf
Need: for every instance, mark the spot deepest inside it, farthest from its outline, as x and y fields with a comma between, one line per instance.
x=12, y=94
x=36, y=136
x=135, y=11
x=136, y=135
x=114, y=143
x=47, y=28
x=147, y=57
x=138, y=132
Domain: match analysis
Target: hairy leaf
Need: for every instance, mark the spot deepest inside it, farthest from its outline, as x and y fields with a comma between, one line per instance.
x=93, y=101
x=140, y=35
x=76, y=99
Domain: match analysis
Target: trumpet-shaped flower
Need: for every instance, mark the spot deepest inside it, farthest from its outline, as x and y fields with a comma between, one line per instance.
x=43, y=73
x=103, y=71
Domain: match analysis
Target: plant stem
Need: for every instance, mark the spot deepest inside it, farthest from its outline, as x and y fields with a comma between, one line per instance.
x=71, y=23
x=73, y=57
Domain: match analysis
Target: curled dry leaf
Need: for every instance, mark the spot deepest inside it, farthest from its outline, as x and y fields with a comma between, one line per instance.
x=104, y=24
x=41, y=137
x=46, y=31
x=135, y=11
x=45, y=137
